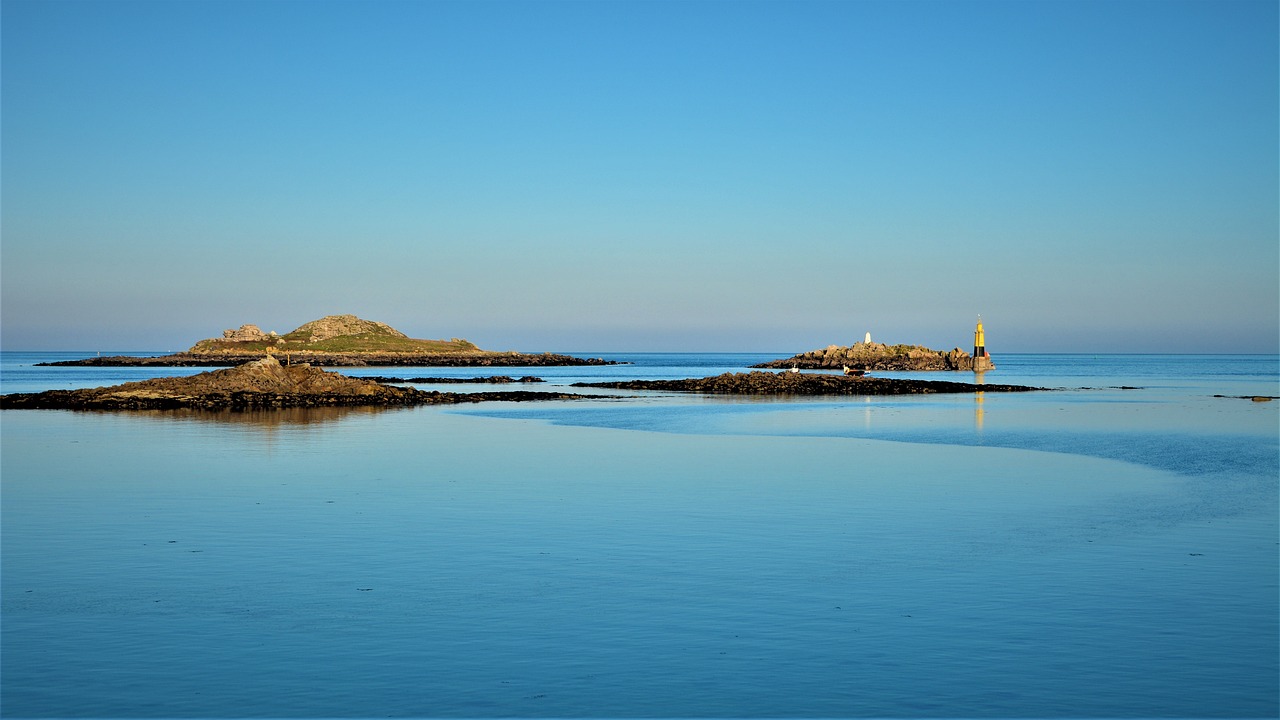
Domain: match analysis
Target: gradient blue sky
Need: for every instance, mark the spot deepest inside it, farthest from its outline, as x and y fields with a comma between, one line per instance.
x=613, y=176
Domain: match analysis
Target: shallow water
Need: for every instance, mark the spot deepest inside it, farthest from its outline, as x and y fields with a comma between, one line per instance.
x=1102, y=553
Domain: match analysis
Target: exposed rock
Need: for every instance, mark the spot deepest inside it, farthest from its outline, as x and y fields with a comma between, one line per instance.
x=262, y=383
x=334, y=326
x=878, y=356
x=792, y=383
x=246, y=333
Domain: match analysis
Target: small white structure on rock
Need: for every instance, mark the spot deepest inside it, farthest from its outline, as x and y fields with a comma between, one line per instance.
x=867, y=339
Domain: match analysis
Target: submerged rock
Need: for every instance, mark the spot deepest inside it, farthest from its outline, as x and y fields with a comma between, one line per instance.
x=792, y=383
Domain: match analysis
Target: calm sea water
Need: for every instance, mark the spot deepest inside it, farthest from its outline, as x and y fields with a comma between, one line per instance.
x=1109, y=549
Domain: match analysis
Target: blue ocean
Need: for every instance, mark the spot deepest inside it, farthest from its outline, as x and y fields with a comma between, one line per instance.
x=1106, y=548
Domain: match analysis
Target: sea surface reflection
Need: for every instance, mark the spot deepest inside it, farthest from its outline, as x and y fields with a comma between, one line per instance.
x=1079, y=554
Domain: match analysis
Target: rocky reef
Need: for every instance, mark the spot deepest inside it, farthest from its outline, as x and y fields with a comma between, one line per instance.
x=794, y=383
x=337, y=341
x=878, y=356
x=261, y=384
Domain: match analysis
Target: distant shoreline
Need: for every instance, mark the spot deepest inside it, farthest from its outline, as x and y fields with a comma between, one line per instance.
x=186, y=359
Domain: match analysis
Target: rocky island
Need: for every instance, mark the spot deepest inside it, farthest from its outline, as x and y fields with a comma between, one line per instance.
x=866, y=355
x=337, y=341
x=260, y=384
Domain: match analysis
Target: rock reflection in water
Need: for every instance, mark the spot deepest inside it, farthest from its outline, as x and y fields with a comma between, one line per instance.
x=268, y=418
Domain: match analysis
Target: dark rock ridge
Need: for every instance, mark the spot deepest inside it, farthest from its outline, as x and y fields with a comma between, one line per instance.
x=791, y=383
x=876, y=356
x=354, y=359
x=260, y=384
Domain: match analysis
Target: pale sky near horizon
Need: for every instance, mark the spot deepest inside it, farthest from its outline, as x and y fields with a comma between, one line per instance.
x=626, y=176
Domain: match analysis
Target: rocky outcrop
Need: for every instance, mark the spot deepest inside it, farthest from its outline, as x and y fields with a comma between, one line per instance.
x=334, y=326
x=878, y=356
x=247, y=333
x=792, y=383
x=262, y=383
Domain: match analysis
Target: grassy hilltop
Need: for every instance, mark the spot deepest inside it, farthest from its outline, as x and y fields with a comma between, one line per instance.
x=332, y=334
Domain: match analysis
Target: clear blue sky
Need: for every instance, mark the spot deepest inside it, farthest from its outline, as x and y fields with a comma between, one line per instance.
x=666, y=175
